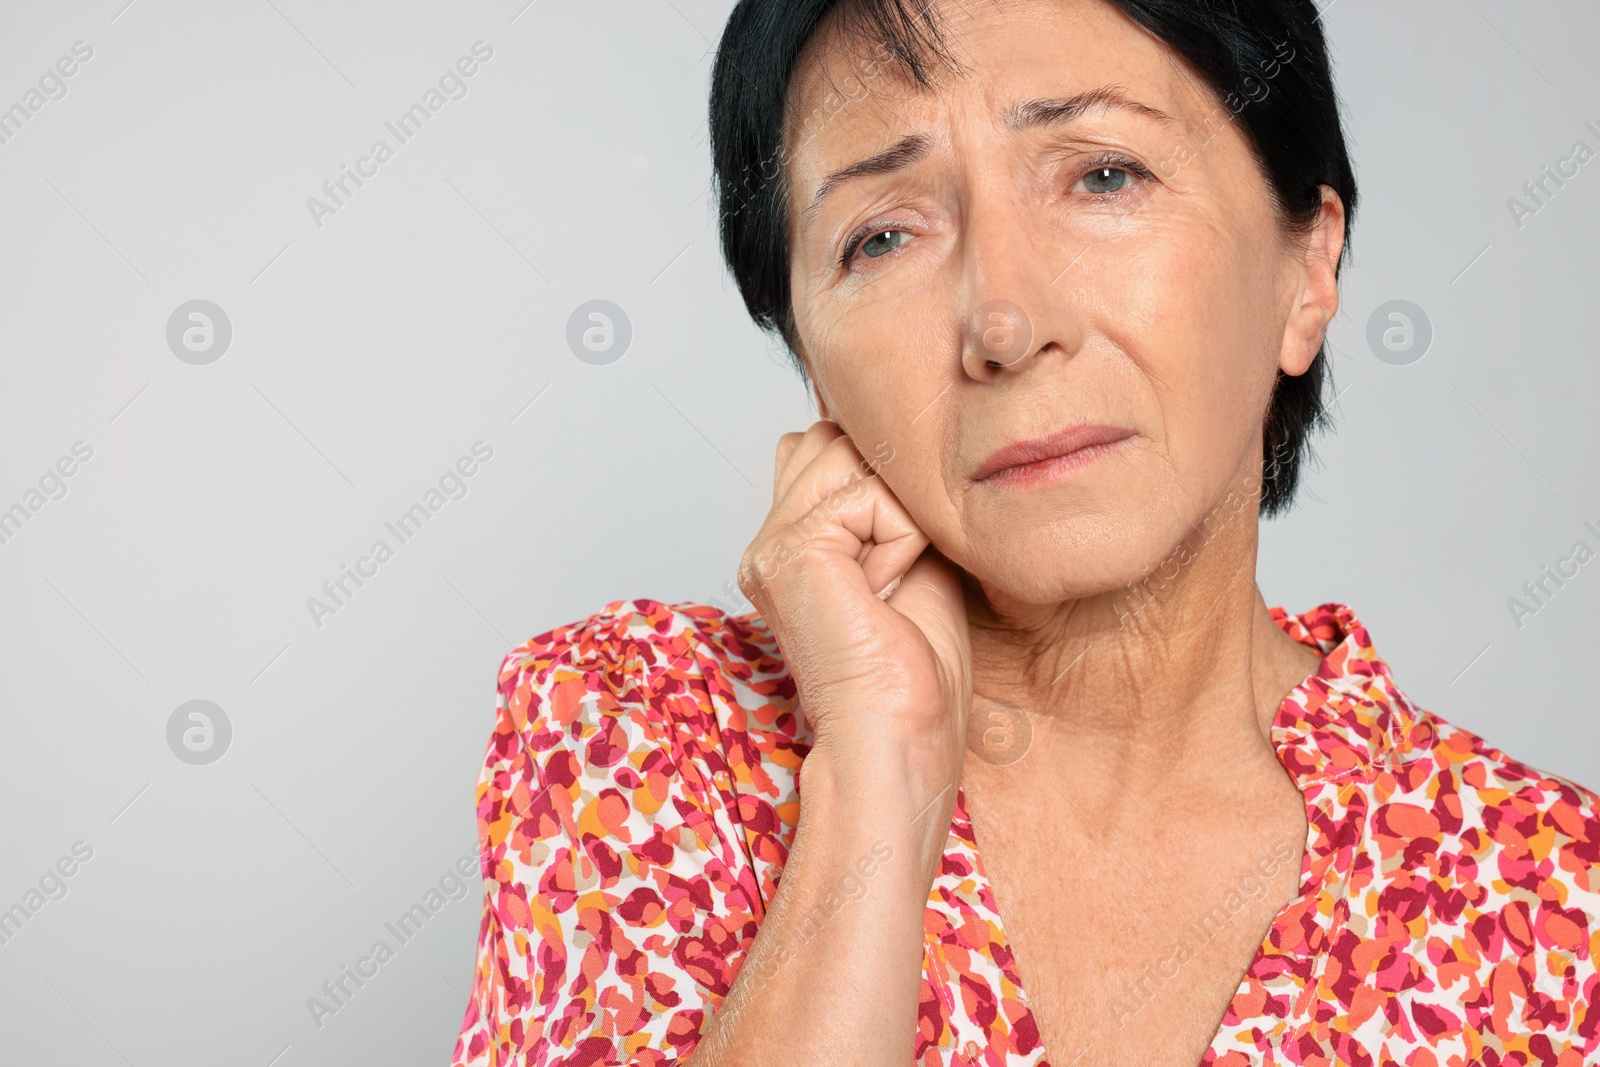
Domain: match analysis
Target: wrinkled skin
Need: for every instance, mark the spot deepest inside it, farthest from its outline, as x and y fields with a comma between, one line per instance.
x=1113, y=608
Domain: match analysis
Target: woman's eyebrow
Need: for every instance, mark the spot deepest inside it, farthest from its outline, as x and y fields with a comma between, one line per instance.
x=1046, y=112
x=1034, y=114
x=905, y=152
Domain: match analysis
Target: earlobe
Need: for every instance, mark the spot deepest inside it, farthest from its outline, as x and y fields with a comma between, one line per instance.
x=816, y=390
x=816, y=395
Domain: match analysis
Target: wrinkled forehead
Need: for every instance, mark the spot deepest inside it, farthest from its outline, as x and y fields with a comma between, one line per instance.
x=853, y=69
x=856, y=83
x=847, y=63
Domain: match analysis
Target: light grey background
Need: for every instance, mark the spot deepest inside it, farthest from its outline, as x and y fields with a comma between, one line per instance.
x=430, y=312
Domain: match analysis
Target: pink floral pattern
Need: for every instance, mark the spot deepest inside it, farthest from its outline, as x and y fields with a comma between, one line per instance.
x=641, y=791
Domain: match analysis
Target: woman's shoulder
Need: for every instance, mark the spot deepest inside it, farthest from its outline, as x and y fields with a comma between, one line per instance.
x=647, y=704
x=1523, y=843
x=1541, y=816
x=1424, y=804
x=642, y=781
x=644, y=626
x=670, y=665
x=1352, y=717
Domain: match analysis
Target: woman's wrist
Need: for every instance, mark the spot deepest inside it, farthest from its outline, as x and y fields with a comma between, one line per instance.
x=859, y=803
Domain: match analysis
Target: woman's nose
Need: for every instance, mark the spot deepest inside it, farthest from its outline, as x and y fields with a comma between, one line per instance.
x=1020, y=309
x=999, y=335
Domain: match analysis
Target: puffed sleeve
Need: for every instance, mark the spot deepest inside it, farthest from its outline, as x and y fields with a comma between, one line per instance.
x=613, y=898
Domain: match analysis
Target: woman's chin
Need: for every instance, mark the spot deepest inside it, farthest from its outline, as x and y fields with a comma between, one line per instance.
x=1020, y=572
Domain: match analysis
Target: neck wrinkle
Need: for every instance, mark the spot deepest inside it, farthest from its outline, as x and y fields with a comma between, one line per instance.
x=1152, y=685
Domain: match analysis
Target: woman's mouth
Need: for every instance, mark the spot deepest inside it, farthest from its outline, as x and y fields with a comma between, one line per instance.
x=1043, y=459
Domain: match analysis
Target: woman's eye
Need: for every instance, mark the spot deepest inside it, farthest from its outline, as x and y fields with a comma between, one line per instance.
x=1114, y=177
x=882, y=242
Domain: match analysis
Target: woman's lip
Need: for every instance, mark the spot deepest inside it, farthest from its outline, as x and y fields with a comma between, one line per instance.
x=1035, y=450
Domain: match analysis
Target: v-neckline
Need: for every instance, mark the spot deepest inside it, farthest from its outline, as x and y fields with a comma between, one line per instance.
x=1284, y=936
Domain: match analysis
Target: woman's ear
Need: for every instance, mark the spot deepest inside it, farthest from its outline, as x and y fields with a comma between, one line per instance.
x=1318, y=299
x=811, y=382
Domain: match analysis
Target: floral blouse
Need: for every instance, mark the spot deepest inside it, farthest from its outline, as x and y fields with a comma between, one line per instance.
x=640, y=796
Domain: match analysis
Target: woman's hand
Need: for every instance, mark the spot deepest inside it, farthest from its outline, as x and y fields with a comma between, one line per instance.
x=872, y=624
x=873, y=629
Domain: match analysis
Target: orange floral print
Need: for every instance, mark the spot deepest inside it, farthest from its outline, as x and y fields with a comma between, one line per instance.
x=642, y=787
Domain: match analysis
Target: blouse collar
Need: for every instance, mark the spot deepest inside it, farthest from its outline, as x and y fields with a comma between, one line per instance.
x=1349, y=715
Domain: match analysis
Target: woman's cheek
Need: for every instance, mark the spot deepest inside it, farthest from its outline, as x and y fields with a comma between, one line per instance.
x=1173, y=292
x=866, y=339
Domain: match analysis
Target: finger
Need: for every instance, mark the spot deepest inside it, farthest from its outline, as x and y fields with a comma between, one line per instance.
x=786, y=446
x=866, y=523
x=834, y=464
x=807, y=447
x=894, y=540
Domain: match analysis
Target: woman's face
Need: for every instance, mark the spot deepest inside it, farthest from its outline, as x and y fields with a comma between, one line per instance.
x=1019, y=266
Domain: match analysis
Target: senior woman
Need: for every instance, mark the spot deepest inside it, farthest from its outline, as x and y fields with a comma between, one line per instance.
x=1013, y=764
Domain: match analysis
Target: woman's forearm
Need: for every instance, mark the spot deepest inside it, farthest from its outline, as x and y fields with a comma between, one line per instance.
x=834, y=975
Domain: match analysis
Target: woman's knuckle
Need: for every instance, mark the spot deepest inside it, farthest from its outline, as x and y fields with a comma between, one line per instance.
x=760, y=565
x=750, y=584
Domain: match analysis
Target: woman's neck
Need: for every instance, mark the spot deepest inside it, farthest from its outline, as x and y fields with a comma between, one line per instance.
x=1170, y=684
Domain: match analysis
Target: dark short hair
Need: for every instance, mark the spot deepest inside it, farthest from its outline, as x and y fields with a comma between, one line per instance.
x=1287, y=110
